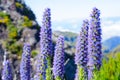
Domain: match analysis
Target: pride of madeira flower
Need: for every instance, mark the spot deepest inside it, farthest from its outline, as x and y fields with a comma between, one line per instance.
x=82, y=52
x=7, y=70
x=25, y=63
x=46, y=52
x=94, y=43
x=58, y=63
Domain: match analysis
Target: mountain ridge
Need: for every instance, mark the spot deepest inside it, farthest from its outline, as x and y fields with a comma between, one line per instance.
x=111, y=43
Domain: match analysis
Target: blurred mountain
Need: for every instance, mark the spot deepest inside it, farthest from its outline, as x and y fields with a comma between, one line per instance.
x=110, y=44
x=116, y=50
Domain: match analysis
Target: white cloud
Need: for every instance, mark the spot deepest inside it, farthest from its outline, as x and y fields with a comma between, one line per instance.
x=75, y=26
x=111, y=30
x=60, y=28
x=107, y=23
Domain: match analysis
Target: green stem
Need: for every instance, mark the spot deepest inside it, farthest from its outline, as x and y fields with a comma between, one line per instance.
x=81, y=74
x=58, y=78
x=49, y=70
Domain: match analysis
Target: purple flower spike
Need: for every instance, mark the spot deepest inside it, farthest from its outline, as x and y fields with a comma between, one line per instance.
x=46, y=34
x=45, y=44
x=94, y=44
x=82, y=48
x=25, y=63
x=7, y=71
x=41, y=67
x=58, y=64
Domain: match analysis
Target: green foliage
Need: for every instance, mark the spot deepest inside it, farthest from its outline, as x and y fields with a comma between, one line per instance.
x=49, y=70
x=4, y=18
x=41, y=78
x=110, y=69
x=10, y=43
x=19, y=5
x=13, y=47
x=34, y=53
x=13, y=32
x=27, y=22
x=81, y=74
x=3, y=14
x=58, y=78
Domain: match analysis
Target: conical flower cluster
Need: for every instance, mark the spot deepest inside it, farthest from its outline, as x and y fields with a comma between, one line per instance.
x=25, y=63
x=45, y=45
x=40, y=68
x=58, y=64
x=82, y=48
x=46, y=34
x=7, y=70
x=94, y=43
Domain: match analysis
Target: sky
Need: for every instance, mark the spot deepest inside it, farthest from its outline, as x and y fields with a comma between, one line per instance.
x=67, y=15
